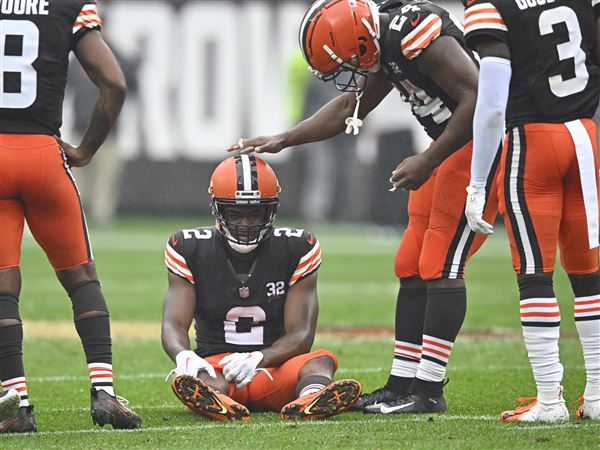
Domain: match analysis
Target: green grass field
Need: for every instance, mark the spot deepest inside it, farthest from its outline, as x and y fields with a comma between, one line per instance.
x=357, y=289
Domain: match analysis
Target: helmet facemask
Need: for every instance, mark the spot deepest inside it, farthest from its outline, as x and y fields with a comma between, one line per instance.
x=244, y=223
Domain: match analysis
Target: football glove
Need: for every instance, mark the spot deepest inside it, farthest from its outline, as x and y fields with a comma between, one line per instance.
x=474, y=210
x=189, y=363
x=241, y=368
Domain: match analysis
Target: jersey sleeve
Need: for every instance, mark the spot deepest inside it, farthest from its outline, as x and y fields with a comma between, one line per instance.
x=87, y=19
x=596, y=6
x=309, y=248
x=420, y=28
x=482, y=18
x=175, y=257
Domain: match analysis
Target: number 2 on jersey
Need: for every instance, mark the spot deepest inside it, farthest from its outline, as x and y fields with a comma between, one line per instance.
x=22, y=64
x=254, y=335
x=567, y=50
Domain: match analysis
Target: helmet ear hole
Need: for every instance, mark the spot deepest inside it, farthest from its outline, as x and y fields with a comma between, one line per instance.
x=362, y=48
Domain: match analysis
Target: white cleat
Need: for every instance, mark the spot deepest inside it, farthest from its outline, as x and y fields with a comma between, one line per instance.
x=532, y=410
x=590, y=408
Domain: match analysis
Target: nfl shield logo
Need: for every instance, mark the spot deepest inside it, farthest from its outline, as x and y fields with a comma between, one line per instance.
x=244, y=292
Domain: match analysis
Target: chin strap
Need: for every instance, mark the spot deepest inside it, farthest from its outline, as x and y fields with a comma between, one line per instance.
x=353, y=123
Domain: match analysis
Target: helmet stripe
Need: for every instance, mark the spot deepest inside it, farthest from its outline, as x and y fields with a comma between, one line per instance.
x=247, y=179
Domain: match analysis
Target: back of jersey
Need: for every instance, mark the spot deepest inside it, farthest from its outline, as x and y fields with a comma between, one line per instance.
x=36, y=37
x=551, y=43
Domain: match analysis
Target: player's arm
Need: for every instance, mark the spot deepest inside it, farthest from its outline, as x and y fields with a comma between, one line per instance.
x=178, y=313
x=451, y=68
x=102, y=67
x=300, y=317
x=327, y=122
x=488, y=123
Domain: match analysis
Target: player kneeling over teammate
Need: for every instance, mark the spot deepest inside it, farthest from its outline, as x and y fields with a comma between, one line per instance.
x=252, y=291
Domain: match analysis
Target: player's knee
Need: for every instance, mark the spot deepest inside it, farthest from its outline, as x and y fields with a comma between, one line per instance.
x=324, y=363
x=536, y=285
x=585, y=285
x=9, y=310
x=88, y=301
x=72, y=278
x=406, y=264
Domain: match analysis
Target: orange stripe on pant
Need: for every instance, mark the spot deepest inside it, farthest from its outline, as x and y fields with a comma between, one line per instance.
x=264, y=394
x=541, y=199
x=438, y=242
x=36, y=185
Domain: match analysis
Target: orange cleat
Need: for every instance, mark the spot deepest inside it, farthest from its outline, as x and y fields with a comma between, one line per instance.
x=329, y=401
x=203, y=400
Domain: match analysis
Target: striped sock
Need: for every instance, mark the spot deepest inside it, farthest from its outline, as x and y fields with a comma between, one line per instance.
x=101, y=376
x=434, y=358
x=540, y=319
x=311, y=389
x=406, y=359
x=587, y=321
x=20, y=384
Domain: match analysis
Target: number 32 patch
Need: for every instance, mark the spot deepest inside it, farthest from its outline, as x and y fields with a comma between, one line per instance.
x=275, y=289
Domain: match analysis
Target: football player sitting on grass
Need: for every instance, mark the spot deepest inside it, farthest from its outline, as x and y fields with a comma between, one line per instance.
x=252, y=291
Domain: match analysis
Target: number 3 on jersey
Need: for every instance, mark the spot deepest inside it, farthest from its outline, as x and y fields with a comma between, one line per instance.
x=21, y=64
x=567, y=50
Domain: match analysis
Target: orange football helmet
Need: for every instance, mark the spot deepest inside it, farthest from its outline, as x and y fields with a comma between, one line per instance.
x=341, y=37
x=244, y=195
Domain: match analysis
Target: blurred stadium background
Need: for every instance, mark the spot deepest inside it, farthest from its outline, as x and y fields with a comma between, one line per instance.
x=201, y=75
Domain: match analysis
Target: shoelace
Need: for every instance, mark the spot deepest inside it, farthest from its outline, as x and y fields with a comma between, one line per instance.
x=122, y=400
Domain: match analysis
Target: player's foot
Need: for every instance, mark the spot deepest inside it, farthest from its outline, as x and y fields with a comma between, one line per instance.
x=329, y=401
x=203, y=400
x=22, y=422
x=532, y=410
x=414, y=403
x=9, y=403
x=113, y=410
x=590, y=409
x=377, y=397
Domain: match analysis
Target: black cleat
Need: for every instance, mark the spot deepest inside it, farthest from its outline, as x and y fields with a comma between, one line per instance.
x=113, y=410
x=22, y=422
x=378, y=396
x=9, y=403
x=415, y=403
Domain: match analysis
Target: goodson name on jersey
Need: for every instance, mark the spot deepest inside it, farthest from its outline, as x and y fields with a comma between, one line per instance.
x=24, y=7
x=524, y=4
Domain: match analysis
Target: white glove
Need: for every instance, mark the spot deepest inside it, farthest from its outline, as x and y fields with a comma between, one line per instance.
x=240, y=368
x=189, y=363
x=474, y=210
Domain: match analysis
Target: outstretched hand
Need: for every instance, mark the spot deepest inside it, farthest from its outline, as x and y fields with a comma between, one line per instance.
x=76, y=156
x=260, y=144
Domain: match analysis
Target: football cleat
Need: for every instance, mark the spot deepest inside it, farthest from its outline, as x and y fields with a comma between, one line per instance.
x=377, y=397
x=203, y=400
x=329, y=401
x=22, y=422
x=590, y=409
x=531, y=410
x=414, y=403
x=113, y=410
x=9, y=403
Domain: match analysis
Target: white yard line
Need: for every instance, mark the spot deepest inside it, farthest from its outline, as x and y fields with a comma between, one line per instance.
x=330, y=423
